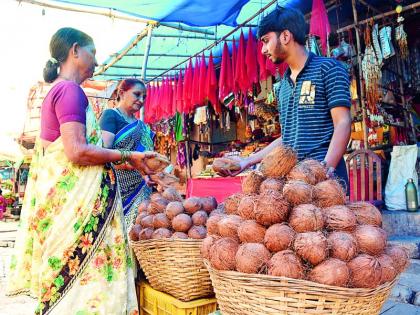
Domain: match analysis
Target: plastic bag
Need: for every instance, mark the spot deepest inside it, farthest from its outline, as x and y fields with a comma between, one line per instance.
x=403, y=167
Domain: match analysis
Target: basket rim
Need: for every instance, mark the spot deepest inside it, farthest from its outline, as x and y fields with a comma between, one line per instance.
x=165, y=240
x=309, y=285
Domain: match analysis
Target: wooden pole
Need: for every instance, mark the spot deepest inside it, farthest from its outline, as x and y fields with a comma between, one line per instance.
x=359, y=62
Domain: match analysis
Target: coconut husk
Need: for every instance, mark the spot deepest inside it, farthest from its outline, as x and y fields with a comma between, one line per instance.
x=140, y=216
x=171, y=194
x=279, y=162
x=146, y=234
x=252, y=258
x=182, y=223
x=271, y=208
x=197, y=232
x=231, y=203
x=143, y=206
x=331, y=272
x=209, y=204
x=147, y=221
x=164, y=179
x=246, y=208
x=302, y=173
x=297, y=192
x=134, y=232
x=161, y=233
x=160, y=220
x=329, y=193
x=339, y=218
x=311, y=247
x=207, y=244
x=251, y=183
x=388, y=272
x=250, y=231
x=199, y=218
x=228, y=226
x=158, y=163
x=225, y=164
x=180, y=235
x=306, y=218
x=279, y=237
x=274, y=184
x=173, y=209
x=315, y=168
x=365, y=272
x=399, y=256
x=192, y=205
x=342, y=245
x=286, y=264
x=371, y=239
x=212, y=224
x=366, y=213
x=157, y=204
x=223, y=252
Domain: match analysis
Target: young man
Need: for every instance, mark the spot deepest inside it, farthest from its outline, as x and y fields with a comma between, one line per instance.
x=313, y=96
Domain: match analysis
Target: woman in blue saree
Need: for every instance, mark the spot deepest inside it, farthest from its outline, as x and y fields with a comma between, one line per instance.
x=121, y=130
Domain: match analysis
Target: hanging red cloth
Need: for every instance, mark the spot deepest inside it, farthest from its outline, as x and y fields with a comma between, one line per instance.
x=211, y=85
x=202, y=81
x=319, y=25
x=251, y=59
x=179, y=94
x=188, y=88
x=235, y=87
x=149, y=112
x=147, y=103
x=225, y=78
x=262, y=62
x=195, y=100
x=174, y=95
x=241, y=75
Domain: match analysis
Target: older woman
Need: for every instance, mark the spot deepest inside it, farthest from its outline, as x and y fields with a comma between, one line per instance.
x=121, y=130
x=71, y=252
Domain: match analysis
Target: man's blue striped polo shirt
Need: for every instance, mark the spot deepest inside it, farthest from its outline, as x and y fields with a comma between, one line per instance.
x=304, y=108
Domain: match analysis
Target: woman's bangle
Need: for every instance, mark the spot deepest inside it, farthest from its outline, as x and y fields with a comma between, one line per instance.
x=125, y=156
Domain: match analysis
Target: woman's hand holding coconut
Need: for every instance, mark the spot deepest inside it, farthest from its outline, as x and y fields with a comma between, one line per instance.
x=138, y=160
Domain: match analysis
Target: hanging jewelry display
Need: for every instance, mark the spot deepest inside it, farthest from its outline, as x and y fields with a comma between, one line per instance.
x=371, y=73
x=375, y=40
x=401, y=38
x=386, y=42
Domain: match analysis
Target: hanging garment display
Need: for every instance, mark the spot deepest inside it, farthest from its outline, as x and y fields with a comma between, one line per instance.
x=319, y=24
x=377, y=47
x=225, y=78
x=312, y=45
x=211, y=86
x=200, y=116
x=386, y=42
x=401, y=38
x=371, y=73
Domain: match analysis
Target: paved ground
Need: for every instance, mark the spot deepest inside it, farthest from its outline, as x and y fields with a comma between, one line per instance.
x=405, y=294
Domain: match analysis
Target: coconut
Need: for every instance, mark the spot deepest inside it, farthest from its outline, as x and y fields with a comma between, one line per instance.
x=207, y=244
x=286, y=264
x=143, y=206
x=275, y=184
x=164, y=179
x=200, y=217
x=209, y=204
x=228, y=226
x=140, y=216
x=366, y=213
x=250, y=231
x=134, y=232
x=371, y=239
x=212, y=224
x=329, y=193
x=302, y=173
x=311, y=246
x=388, y=272
x=173, y=209
x=279, y=162
x=192, y=205
x=331, y=272
x=147, y=221
x=246, y=208
x=160, y=220
x=342, y=245
x=225, y=164
x=171, y=194
x=180, y=235
x=297, y=192
x=223, y=252
x=251, y=183
x=231, y=203
x=315, y=168
x=279, y=237
x=306, y=218
x=339, y=218
x=399, y=256
x=365, y=272
x=271, y=208
x=182, y=222
x=157, y=204
x=161, y=233
x=197, y=232
x=252, y=257
x=146, y=234
x=158, y=163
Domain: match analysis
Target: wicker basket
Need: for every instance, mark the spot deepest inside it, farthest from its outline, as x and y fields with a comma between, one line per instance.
x=252, y=294
x=175, y=267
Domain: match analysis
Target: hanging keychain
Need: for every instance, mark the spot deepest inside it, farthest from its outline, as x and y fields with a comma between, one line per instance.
x=401, y=35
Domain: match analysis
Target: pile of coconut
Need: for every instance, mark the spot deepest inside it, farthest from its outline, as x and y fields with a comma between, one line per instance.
x=291, y=221
x=167, y=215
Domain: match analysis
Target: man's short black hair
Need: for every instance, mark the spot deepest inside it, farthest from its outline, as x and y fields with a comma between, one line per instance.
x=281, y=19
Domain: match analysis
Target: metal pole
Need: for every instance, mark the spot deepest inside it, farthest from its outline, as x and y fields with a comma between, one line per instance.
x=145, y=59
x=359, y=62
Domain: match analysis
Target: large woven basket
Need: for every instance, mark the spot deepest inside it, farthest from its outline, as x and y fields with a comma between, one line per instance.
x=174, y=266
x=252, y=294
